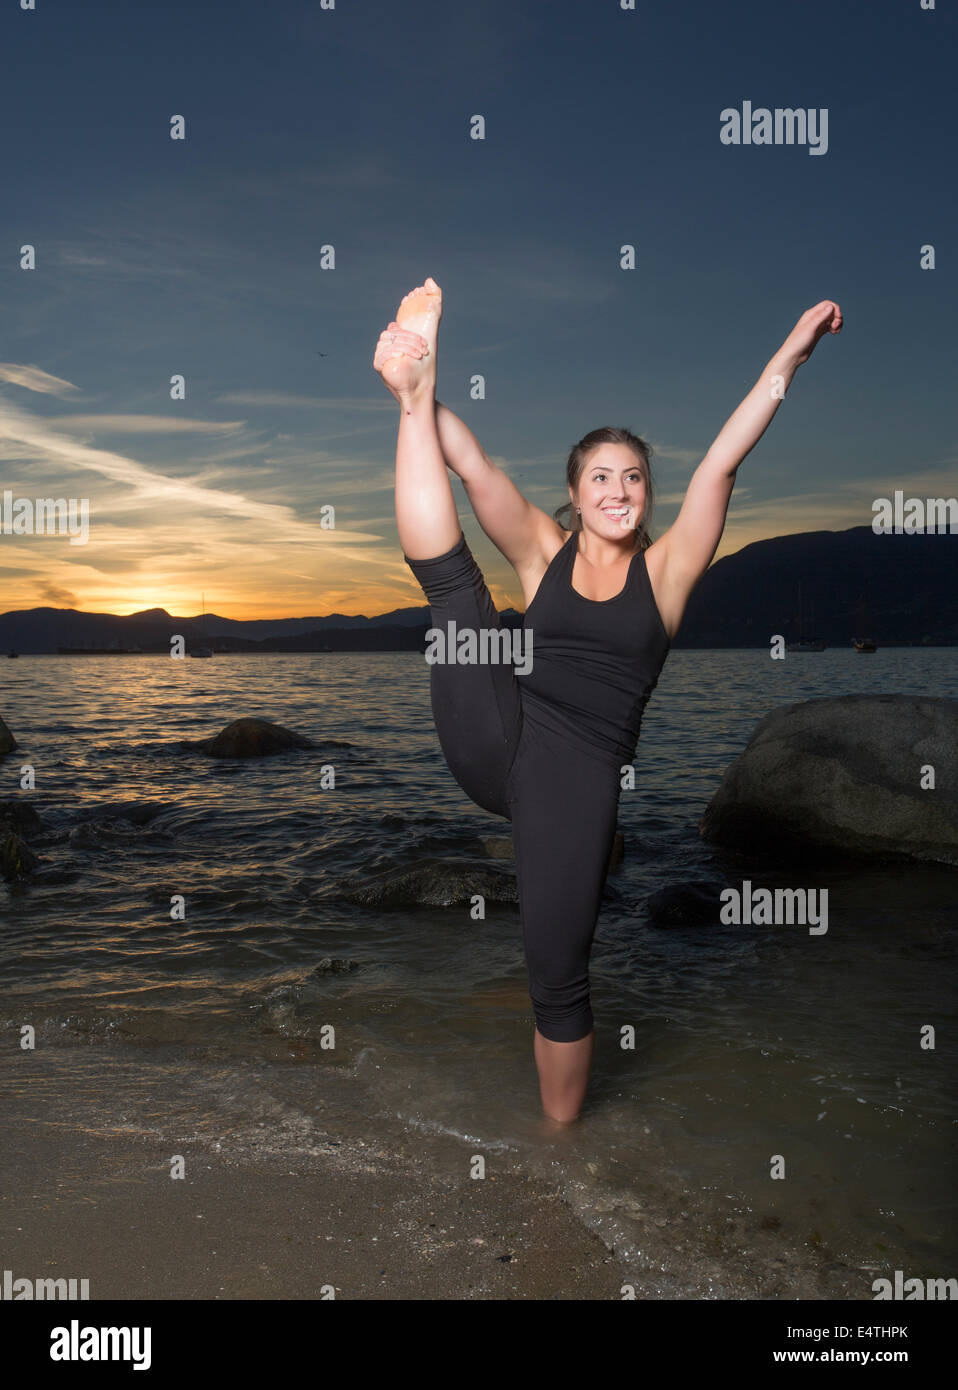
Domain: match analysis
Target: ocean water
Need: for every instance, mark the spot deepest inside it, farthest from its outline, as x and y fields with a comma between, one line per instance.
x=750, y=1042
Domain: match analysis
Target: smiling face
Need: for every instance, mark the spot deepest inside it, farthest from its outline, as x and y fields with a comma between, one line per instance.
x=611, y=491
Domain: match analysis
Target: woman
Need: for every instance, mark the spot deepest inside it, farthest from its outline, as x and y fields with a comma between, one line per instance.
x=546, y=749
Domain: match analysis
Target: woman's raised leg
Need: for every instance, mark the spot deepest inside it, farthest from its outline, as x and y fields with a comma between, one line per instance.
x=475, y=702
x=426, y=515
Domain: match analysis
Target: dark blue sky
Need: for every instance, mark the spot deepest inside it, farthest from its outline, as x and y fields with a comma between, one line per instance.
x=350, y=127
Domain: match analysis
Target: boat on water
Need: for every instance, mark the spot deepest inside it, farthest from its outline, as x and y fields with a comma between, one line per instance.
x=203, y=650
x=804, y=643
x=864, y=644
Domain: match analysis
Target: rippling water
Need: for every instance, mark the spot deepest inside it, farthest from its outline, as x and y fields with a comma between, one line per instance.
x=751, y=1041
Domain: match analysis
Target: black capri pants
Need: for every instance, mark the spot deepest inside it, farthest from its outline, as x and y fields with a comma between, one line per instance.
x=562, y=802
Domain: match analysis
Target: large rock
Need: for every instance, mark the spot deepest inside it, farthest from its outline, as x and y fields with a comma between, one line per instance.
x=7, y=741
x=845, y=774
x=431, y=883
x=251, y=738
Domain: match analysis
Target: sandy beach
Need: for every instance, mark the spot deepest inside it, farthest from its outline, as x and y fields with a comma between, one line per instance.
x=102, y=1207
x=287, y=1206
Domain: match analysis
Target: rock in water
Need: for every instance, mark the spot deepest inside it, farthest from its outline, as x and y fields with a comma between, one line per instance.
x=335, y=965
x=845, y=774
x=18, y=823
x=432, y=883
x=16, y=858
x=7, y=741
x=19, y=818
x=685, y=904
x=251, y=738
x=498, y=846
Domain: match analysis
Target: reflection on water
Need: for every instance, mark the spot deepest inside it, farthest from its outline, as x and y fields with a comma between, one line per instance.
x=749, y=1041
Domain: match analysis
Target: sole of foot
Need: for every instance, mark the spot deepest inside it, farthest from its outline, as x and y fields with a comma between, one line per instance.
x=421, y=310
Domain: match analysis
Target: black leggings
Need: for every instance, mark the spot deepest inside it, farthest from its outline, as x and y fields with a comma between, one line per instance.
x=562, y=803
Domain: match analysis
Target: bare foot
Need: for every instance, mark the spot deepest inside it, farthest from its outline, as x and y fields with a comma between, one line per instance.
x=418, y=315
x=421, y=310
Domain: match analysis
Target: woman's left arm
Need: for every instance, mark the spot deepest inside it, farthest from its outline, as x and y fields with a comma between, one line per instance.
x=692, y=540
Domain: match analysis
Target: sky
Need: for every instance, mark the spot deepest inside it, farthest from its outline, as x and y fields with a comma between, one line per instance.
x=310, y=126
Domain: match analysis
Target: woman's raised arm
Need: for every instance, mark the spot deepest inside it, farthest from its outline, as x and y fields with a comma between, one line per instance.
x=514, y=525
x=689, y=544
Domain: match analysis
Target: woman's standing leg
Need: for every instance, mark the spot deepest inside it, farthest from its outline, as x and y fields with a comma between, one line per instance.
x=563, y=825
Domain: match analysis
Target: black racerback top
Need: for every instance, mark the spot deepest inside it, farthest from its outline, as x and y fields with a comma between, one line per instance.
x=595, y=662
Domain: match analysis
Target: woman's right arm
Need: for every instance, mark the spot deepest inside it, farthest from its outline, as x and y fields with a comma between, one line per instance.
x=513, y=524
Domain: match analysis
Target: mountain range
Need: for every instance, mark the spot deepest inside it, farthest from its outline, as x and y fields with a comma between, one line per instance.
x=830, y=585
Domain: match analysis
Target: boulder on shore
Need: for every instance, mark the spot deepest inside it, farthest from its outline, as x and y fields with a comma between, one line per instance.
x=7, y=742
x=851, y=774
x=251, y=738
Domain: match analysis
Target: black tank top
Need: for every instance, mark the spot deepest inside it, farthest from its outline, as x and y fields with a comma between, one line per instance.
x=595, y=662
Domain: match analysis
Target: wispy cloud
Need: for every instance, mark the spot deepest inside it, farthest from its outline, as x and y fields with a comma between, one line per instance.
x=155, y=524
x=145, y=424
x=286, y=399
x=35, y=379
x=56, y=596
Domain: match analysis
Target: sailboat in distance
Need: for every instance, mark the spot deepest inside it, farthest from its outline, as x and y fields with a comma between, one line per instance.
x=203, y=649
x=804, y=644
x=863, y=644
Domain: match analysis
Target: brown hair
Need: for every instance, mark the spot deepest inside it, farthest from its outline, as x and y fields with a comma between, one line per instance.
x=578, y=458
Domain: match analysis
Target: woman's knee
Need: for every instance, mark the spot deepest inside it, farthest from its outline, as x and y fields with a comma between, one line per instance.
x=442, y=576
x=562, y=1015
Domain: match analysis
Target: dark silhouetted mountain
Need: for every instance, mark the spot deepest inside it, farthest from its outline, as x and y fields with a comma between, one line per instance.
x=897, y=589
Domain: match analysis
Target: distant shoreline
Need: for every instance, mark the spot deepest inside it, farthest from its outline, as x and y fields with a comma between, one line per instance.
x=380, y=651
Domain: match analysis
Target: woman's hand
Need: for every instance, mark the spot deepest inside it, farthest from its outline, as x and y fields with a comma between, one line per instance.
x=398, y=355
x=814, y=324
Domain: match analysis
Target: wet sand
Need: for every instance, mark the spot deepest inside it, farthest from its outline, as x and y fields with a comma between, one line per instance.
x=279, y=1204
x=103, y=1207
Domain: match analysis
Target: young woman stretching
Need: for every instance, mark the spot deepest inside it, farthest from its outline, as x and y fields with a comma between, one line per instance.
x=603, y=603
